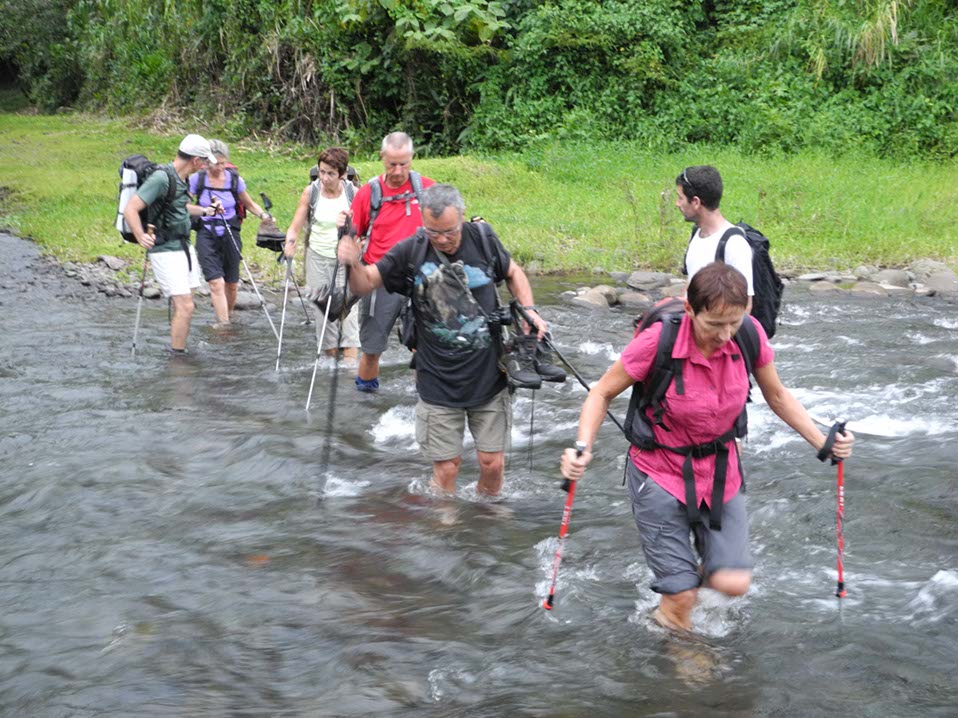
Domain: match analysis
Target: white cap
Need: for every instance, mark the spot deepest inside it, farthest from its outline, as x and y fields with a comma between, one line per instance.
x=196, y=146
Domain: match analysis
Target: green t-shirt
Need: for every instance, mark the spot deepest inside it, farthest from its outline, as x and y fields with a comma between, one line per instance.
x=174, y=224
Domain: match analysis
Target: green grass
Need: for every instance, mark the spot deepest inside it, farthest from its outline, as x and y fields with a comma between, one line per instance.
x=566, y=207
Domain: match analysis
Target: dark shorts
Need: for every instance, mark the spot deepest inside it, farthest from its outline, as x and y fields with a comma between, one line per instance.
x=218, y=256
x=379, y=312
x=665, y=532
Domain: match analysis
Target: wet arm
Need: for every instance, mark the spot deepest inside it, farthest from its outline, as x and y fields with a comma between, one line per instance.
x=131, y=213
x=786, y=406
x=363, y=278
x=296, y=226
x=251, y=205
x=519, y=287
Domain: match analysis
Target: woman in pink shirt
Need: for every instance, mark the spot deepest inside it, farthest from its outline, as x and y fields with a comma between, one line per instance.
x=686, y=476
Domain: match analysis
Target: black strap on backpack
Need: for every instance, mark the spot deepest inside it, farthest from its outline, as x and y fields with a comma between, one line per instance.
x=348, y=187
x=650, y=395
x=376, y=198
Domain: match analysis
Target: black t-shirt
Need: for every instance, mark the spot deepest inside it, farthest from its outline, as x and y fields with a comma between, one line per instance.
x=456, y=350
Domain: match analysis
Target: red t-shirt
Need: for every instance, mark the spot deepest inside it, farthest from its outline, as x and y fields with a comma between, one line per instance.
x=393, y=224
x=715, y=392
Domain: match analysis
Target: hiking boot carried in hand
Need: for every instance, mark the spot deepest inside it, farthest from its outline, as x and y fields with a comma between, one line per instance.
x=521, y=362
x=545, y=362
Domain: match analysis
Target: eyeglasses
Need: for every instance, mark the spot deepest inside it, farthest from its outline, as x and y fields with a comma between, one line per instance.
x=685, y=178
x=437, y=233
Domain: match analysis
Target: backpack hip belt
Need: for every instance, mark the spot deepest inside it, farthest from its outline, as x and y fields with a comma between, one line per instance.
x=719, y=448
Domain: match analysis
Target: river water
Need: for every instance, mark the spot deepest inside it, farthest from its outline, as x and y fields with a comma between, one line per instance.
x=172, y=549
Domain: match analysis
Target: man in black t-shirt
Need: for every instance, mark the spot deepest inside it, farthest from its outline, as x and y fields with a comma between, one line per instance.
x=450, y=268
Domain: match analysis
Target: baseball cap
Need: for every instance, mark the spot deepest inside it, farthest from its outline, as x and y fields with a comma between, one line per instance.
x=196, y=146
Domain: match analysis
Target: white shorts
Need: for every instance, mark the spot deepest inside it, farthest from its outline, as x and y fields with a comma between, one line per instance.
x=173, y=273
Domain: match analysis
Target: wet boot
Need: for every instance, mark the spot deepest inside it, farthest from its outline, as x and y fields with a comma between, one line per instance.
x=545, y=362
x=521, y=363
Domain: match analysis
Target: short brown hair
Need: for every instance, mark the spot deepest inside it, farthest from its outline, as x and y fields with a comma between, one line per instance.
x=716, y=285
x=335, y=157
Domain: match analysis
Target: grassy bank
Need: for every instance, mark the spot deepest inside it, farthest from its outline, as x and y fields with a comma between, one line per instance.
x=563, y=206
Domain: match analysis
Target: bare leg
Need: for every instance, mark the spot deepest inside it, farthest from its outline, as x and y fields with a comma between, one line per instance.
x=231, y=289
x=369, y=366
x=444, y=474
x=730, y=581
x=180, y=325
x=219, y=301
x=675, y=610
x=492, y=466
x=350, y=353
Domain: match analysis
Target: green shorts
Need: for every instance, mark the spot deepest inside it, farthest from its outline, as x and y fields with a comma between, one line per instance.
x=440, y=429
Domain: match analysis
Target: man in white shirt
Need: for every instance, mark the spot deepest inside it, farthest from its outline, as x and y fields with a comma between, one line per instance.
x=699, y=192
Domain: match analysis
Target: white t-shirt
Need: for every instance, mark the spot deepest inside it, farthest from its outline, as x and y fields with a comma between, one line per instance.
x=738, y=253
x=323, y=233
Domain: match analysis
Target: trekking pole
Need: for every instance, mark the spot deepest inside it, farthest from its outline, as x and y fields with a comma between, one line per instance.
x=331, y=400
x=301, y=300
x=563, y=530
x=528, y=320
x=282, y=321
x=150, y=229
x=322, y=335
x=838, y=428
x=249, y=274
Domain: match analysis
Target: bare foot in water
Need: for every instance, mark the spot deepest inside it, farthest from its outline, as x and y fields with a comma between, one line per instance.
x=659, y=616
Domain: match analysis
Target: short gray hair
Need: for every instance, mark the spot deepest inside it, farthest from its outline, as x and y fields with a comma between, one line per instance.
x=397, y=141
x=218, y=147
x=440, y=197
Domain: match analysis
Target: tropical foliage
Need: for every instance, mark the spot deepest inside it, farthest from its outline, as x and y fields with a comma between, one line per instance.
x=492, y=75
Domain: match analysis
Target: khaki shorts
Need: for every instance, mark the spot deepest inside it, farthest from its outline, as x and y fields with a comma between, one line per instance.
x=319, y=271
x=440, y=429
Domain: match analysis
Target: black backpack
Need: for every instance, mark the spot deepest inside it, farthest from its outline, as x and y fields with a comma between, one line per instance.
x=134, y=171
x=768, y=286
x=651, y=394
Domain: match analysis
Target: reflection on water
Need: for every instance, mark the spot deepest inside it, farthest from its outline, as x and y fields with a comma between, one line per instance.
x=172, y=547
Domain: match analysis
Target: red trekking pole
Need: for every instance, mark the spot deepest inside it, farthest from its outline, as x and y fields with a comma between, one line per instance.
x=563, y=530
x=838, y=428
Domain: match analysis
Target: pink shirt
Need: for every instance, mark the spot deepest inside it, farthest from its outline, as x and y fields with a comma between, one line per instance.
x=715, y=392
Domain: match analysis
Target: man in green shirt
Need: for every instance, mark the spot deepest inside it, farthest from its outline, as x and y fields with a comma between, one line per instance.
x=173, y=260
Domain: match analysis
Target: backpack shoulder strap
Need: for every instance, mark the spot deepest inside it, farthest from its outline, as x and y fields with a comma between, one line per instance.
x=350, y=189
x=485, y=244
x=234, y=186
x=375, y=202
x=729, y=233
x=171, y=188
x=748, y=343
x=416, y=259
x=200, y=183
x=664, y=369
x=416, y=179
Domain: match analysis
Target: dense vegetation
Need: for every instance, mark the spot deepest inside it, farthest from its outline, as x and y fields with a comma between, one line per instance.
x=491, y=75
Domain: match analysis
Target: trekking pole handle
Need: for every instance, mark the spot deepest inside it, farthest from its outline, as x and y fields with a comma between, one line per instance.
x=267, y=205
x=837, y=428
x=580, y=449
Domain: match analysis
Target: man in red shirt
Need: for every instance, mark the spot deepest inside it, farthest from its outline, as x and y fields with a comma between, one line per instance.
x=385, y=211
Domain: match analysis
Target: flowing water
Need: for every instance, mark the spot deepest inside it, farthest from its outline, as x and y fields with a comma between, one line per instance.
x=171, y=548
